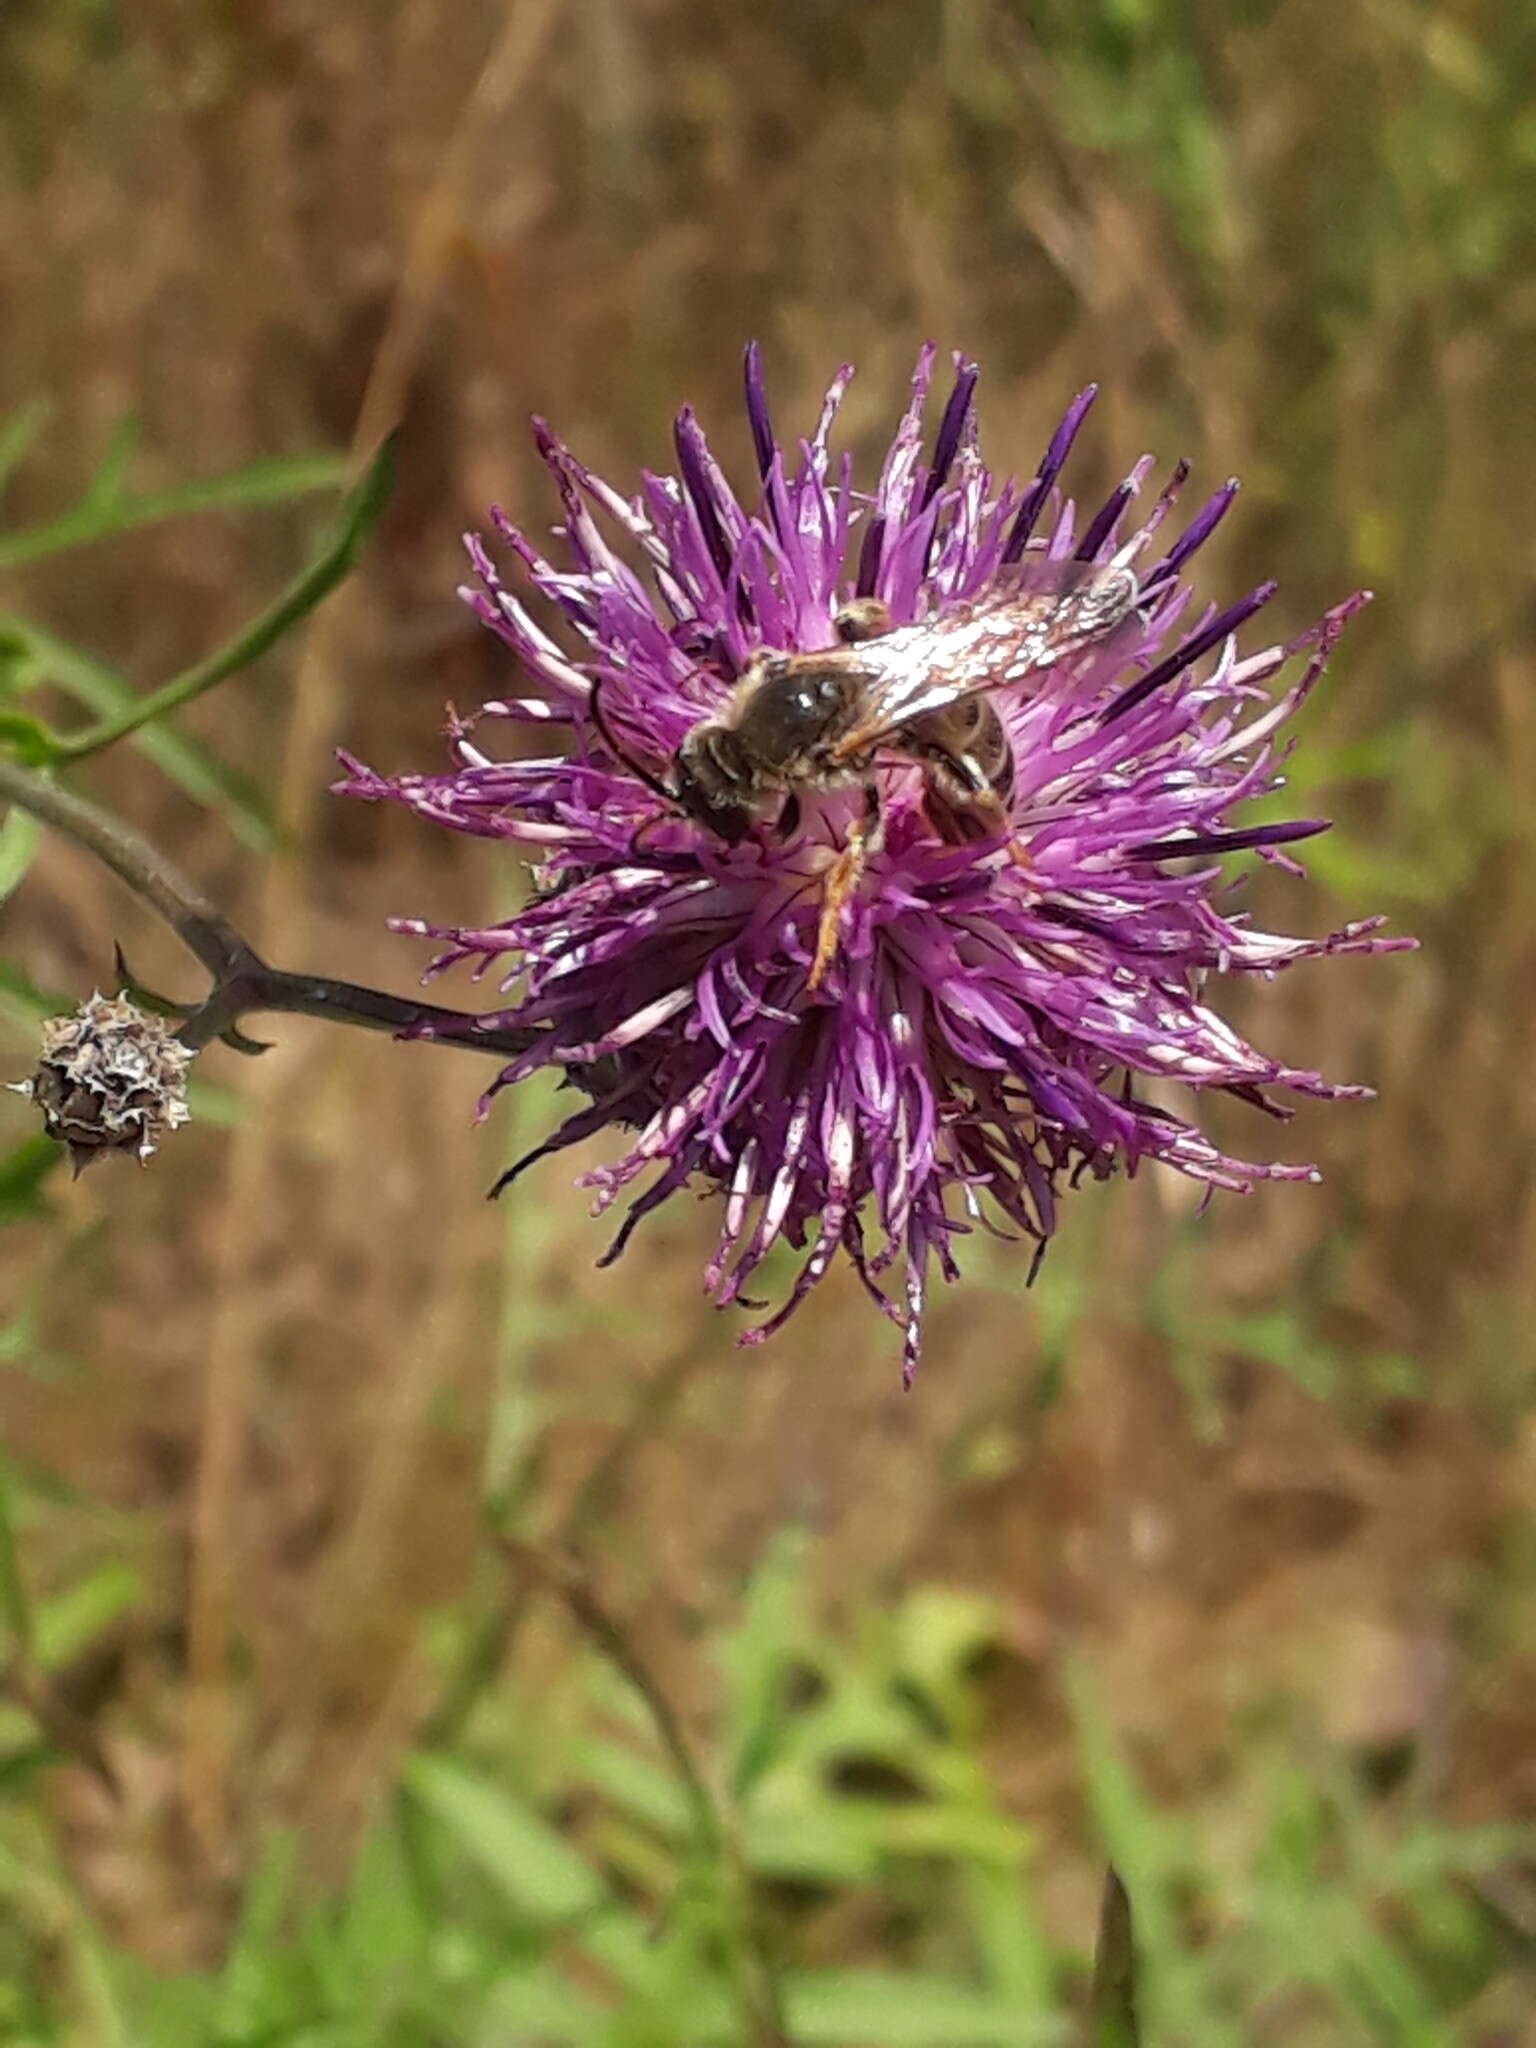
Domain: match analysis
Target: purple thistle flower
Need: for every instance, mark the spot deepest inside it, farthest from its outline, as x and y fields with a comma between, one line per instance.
x=992, y=1010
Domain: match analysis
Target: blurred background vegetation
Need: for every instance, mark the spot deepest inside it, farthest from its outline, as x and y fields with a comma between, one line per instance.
x=1216, y=1555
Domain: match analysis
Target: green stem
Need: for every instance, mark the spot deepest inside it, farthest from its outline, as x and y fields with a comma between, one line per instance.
x=313, y=583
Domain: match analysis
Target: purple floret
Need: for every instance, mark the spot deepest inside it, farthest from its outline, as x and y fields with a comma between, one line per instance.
x=992, y=1014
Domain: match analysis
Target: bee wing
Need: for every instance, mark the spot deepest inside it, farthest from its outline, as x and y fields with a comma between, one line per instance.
x=1014, y=629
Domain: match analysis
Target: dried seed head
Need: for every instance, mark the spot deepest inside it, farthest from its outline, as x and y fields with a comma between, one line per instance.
x=110, y=1078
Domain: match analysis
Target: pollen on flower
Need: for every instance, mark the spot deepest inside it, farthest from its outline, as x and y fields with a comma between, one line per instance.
x=898, y=949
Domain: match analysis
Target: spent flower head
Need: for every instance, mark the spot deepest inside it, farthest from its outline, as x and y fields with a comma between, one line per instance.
x=110, y=1078
x=873, y=1055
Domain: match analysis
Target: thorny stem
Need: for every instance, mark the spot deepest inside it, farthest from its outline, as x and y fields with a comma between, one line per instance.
x=565, y=1579
x=242, y=981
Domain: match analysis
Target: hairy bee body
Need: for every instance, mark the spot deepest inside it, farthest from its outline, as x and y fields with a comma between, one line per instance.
x=818, y=720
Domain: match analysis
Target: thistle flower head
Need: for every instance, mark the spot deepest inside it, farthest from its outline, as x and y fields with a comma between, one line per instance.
x=110, y=1078
x=1007, y=991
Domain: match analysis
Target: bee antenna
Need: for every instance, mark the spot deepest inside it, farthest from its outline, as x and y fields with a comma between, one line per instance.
x=620, y=753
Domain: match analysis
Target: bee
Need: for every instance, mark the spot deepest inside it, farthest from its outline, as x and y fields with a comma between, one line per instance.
x=818, y=720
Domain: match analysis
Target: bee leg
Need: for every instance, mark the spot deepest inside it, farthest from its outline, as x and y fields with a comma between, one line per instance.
x=993, y=821
x=842, y=881
x=968, y=805
x=992, y=815
x=862, y=618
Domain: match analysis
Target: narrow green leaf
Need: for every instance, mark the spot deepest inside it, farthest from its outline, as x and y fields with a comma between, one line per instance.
x=829, y=2008
x=15, y=1607
x=383, y=1915
x=23, y=1171
x=210, y=1104
x=940, y=1632
x=534, y=1868
x=18, y=432
x=23, y=1001
x=1136, y=1836
x=19, y=834
x=106, y=486
x=359, y=514
x=267, y=1896
x=758, y=1653
x=1010, y=1937
x=925, y=1828
x=637, y=1787
x=195, y=771
x=540, y=2005
x=820, y=1846
x=64, y=1625
x=274, y=480
x=27, y=738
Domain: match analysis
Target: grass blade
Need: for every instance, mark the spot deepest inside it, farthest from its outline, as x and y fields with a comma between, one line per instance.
x=275, y=480
x=533, y=1867
x=197, y=773
x=18, y=842
x=359, y=515
x=19, y=432
x=15, y=1607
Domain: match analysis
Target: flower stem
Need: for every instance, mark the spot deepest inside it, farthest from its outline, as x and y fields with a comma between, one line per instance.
x=317, y=580
x=242, y=981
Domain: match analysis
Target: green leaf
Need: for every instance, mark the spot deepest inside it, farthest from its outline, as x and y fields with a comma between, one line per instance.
x=822, y=1846
x=1010, y=1939
x=195, y=771
x=638, y=1787
x=940, y=1631
x=830, y=2008
x=106, y=486
x=383, y=1917
x=1138, y=1839
x=15, y=1607
x=757, y=1655
x=24, y=1001
x=273, y=480
x=19, y=835
x=539, y=2004
x=534, y=1868
x=66, y=1623
x=19, y=432
x=923, y=1829
x=27, y=738
x=360, y=513
x=211, y=1104
x=267, y=1895
x=23, y=1172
